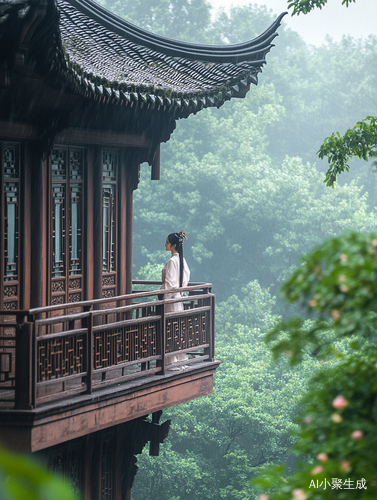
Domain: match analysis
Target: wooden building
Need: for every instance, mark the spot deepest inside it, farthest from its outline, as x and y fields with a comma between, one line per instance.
x=85, y=98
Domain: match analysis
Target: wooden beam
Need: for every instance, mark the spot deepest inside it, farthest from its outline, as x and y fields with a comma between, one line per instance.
x=19, y=131
x=99, y=137
x=45, y=429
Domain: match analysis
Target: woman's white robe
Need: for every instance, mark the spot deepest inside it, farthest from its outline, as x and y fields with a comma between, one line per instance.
x=170, y=279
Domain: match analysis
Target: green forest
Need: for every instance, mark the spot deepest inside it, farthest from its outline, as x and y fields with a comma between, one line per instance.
x=246, y=185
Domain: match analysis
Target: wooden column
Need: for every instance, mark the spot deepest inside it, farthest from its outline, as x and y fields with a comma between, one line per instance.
x=129, y=223
x=38, y=225
x=88, y=215
x=122, y=224
x=133, y=169
x=96, y=240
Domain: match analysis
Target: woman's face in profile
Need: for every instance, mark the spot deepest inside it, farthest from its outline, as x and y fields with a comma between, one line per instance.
x=168, y=246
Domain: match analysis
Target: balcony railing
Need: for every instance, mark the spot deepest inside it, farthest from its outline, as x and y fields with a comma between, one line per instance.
x=55, y=352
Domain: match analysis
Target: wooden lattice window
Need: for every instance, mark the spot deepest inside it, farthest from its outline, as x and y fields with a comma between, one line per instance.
x=107, y=469
x=11, y=223
x=109, y=213
x=67, y=460
x=67, y=166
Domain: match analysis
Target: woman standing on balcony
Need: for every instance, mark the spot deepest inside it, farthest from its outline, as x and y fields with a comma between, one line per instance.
x=176, y=272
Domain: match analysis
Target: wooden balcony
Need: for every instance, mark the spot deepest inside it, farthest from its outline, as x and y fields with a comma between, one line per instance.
x=72, y=369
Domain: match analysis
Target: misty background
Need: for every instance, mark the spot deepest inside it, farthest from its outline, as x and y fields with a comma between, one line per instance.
x=244, y=182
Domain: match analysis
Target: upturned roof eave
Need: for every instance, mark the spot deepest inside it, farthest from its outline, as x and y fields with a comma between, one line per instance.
x=242, y=52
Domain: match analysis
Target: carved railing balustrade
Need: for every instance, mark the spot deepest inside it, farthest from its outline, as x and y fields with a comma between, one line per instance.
x=55, y=352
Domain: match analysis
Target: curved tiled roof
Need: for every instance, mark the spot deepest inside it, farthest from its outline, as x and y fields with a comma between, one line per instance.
x=110, y=56
x=103, y=56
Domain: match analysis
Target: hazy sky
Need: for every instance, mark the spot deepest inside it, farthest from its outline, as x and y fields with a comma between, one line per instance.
x=358, y=20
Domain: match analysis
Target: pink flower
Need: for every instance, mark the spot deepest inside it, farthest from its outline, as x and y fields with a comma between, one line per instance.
x=346, y=466
x=263, y=497
x=317, y=470
x=298, y=494
x=357, y=435
x=322, y=457
x=308, y=420
x=339, y=403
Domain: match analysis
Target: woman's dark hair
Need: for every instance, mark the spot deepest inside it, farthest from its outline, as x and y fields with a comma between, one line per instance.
x=177, y=240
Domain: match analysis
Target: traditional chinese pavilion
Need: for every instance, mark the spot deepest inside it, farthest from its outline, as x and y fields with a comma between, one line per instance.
x=85, y=98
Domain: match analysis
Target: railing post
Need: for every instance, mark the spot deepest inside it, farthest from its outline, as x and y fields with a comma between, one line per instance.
x=161, y=311
x=89, y=352
x=24, y=383
x=163, y=336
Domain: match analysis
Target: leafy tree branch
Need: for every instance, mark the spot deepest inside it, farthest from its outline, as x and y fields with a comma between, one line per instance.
x=306, y=6
x=359, y=141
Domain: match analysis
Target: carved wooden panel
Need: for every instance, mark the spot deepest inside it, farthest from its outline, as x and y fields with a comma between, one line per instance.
x=186, y=331
x=10, y=306
x=120, y=345
x=58, y=286
x=108, y=280
x=7, y=364
x=10, y=291
x=60, y=357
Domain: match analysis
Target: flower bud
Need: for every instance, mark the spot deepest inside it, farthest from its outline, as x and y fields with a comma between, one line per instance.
x=317, y=470
x=357, y=435
x=340, y=402
x=336, y=418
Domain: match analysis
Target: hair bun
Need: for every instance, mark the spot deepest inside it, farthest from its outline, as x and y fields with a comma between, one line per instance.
x=181, y=236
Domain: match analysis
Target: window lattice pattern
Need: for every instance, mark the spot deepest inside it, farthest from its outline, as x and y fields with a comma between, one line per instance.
x=58, y=233
x=75, y=164
x=107, y=471
x=11, y=162
x=108, y=229
x=74, y=469
x=58, y=358
x=11, y=235
x=75, y=231
x=57, y=463
x=109, y=166
x=185, y=332
x=120, y=345
x=109, y=176
x=58, y=164
x=67, y=165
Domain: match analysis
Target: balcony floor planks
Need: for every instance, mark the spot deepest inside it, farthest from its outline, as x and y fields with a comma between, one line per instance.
x=33, y=430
